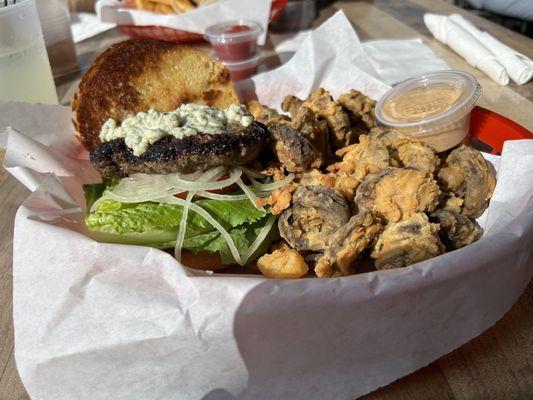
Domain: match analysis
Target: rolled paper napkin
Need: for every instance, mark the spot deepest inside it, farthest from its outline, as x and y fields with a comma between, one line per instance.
x=518, y=66
x=5, y=3
x=467, y=46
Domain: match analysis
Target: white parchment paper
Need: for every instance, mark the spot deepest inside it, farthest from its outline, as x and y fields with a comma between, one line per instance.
x=197, y=20
x=85, y=25
x=392, y=61
x=99, y=321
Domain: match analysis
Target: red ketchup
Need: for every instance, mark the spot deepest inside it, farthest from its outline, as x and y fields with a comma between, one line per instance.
x=242, y=69
x=236, y=50
x=234, y=40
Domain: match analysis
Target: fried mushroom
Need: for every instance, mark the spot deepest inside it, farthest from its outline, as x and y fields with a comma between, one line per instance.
x=347, y=244
x=456, y=230
x=292, y=149
x=370, y=155
x=314, y=128
x=468, y=175
x=360, y=107
x=291, y=104
x=449, y=201
x=265, y=114
x=346, y=184
x=407, y=242
x=338, y=120
x=316, y=213
x=408, y=152
x=396, y=193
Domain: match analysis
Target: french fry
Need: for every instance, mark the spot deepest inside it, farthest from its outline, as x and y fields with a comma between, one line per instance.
x=182, y=5
x=204, y=2
x=163, y=9
x=144, y=5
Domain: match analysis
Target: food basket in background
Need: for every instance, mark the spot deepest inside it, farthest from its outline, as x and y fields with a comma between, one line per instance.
x=489, y=130
x=181, y=36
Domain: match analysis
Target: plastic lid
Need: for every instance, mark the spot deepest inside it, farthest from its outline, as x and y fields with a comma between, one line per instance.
x=225, y=31
x=428, y=98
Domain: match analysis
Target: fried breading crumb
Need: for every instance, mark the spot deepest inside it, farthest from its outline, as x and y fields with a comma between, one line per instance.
x=280, y=199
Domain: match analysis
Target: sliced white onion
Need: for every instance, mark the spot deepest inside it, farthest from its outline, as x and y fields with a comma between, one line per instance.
x=199, y=210
x=251, y=173
x=249, y=193
x=149, y=189
x=95, y=205
x=266, y=187
x=211, y=175
x=259, y=239
x=183, y=226
x=225, y=197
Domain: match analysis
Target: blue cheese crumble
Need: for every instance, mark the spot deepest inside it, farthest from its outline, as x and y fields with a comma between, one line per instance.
x=142, y=130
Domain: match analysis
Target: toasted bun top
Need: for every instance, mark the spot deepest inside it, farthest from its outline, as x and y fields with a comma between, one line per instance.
x=137, y=75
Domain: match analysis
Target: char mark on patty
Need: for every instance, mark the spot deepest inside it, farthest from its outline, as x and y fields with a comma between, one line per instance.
x=113, y=159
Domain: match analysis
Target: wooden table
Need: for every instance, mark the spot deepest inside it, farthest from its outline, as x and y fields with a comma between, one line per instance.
x=497, y=364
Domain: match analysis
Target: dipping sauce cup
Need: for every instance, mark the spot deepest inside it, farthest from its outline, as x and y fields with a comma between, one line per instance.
x=241, y=69
x=434, y=108
x=234, y=40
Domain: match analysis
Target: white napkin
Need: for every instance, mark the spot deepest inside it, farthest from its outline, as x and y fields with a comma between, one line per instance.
x=320, y=63
x=397, y=60
x=392, y=60
x=85, y=25
x=518, y=66
x=467, y=46
x=195, y=21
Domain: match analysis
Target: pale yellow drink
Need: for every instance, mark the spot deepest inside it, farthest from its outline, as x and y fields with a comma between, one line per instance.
x=25, y=73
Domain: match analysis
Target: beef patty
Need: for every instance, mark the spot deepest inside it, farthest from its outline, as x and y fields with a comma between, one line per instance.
x=113, y=159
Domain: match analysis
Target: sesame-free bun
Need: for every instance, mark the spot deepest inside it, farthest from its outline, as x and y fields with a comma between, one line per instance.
x=136, y=75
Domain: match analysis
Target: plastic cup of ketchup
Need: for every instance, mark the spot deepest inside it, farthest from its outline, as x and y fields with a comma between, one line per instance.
x=234, y=40
x=240, y=70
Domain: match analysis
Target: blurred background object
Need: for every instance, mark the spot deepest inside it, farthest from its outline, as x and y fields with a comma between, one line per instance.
x=81, y=5
x=513, y=14
x=55, y=21
x=298, y=15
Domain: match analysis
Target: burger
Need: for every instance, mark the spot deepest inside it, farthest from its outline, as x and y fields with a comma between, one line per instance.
x=176, y=150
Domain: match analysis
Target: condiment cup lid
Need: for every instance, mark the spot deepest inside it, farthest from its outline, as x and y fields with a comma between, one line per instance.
x=221, y=32
x=428, y=98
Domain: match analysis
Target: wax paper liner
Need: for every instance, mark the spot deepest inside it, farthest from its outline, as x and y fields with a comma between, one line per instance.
x=99, y=321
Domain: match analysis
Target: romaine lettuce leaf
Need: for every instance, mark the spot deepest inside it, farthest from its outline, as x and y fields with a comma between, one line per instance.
x=156, y=224
x=243, y=236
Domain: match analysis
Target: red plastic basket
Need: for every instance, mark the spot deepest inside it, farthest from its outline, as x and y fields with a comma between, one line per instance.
x=490, y=130
x=179, y=36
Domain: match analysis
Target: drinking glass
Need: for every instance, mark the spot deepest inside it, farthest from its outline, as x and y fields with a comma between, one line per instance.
x=55, y=23
x=25, y=73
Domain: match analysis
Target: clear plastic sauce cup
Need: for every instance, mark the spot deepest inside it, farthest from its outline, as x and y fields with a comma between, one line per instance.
x=435, y=108
x=234, y=40
x=241, y=69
